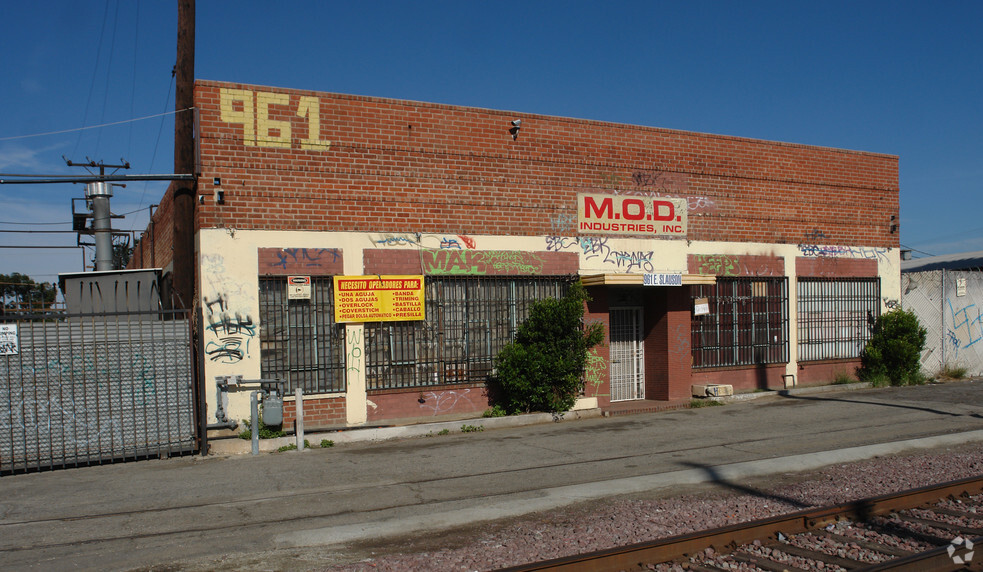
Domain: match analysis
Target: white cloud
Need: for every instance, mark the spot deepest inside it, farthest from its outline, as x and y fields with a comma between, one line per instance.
x=20, y=157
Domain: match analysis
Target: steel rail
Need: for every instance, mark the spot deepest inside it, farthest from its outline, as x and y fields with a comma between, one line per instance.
x=668, y=549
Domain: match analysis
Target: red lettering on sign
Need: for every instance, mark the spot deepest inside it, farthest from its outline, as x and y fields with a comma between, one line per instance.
x=607, y=206
x=626, y=212
x=658, y=205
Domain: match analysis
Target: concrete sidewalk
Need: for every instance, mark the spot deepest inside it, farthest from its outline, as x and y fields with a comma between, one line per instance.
x=235, y=446
x=397, y=481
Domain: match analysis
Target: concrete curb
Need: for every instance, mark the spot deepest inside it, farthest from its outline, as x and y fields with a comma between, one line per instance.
x=794, y=391
x=237, y=446
x=506, y=506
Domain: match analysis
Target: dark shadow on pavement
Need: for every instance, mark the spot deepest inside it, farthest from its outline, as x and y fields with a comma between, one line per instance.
x=787, y=395
x=716, y=477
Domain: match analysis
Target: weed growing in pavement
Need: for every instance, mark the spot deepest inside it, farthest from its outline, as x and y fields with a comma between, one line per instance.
x=951, y=372
x=293, y=446
x=497, y=411
x=471, y=428
x=879, y=381
x=325, y=443
x=842, y=378
x=697, y=403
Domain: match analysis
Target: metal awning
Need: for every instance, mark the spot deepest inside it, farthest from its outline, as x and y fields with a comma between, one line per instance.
x=639, y=279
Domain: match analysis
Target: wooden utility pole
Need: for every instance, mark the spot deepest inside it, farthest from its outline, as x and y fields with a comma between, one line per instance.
x=184, y=158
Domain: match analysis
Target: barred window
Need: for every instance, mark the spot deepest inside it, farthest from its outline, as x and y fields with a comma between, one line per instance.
x=835, y=316
x=299, y=340
x=747, y=323
x=468, y=321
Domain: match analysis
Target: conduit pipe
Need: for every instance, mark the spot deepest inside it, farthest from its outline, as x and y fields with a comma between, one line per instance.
x=254, y=419
x=299, y=423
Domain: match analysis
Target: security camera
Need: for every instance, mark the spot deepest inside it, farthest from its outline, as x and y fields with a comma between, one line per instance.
x=514, y=130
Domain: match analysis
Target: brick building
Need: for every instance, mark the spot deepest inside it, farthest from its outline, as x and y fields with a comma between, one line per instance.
x=709, y=259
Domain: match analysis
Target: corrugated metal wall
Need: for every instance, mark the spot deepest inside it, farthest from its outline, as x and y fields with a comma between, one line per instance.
x=949, y=305
x=92, y=388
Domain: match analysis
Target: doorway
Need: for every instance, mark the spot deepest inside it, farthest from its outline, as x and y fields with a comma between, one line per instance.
x=627, y=354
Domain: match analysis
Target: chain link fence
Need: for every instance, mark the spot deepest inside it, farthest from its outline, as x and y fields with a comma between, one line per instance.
x=949, y=304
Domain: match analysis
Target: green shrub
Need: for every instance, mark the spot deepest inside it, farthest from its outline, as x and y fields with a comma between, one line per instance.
x=325, y=443
x=542, y=370
x=497, y=411
x=265, y=431
x=842, y=378
x=952, y=372
x=894, y=350
x=471, y=428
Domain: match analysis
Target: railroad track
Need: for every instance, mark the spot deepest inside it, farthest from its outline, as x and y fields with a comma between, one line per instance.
x=928, y=528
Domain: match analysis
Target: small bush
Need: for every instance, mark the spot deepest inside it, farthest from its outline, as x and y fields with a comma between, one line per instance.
x=842, y=378
x=325, y=443
x=952, y=372
x=497, y=411
x=894, y=350
x=265, y=431
x=471, y=428
x=542, y=370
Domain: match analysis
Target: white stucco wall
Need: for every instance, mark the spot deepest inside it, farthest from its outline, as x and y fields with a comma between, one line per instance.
x=229, y=285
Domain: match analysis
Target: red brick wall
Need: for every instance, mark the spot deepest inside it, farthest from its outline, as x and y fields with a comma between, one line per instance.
x=155, y=249
x=825, y=372
x=656, y=345
x=300, y=261
x=319, y=413
x=830, y=267
x=598, y=376
x=428, y=402
x=400, y=166
x=743, y=379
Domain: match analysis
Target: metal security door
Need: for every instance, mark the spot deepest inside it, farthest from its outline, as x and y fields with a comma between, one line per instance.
x=627, y=356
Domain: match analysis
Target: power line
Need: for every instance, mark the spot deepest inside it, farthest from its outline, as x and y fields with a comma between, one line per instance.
x=97, y=178
x=95, y=73
x=95, y=126
x=40, y=231
x=5, y=246
x=36, y=223
x=916, y=250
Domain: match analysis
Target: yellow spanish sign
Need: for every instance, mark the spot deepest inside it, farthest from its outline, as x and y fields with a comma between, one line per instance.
x=378, y=298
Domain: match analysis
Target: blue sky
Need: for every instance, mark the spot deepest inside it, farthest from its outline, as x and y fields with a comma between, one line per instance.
x=903, y=78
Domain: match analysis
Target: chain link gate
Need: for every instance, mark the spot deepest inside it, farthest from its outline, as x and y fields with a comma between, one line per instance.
x=80, y=389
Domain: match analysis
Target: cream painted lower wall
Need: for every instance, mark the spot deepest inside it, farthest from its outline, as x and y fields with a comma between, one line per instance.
x=229, y=284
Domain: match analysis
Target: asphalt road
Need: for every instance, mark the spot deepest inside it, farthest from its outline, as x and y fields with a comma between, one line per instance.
x=304, y=507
